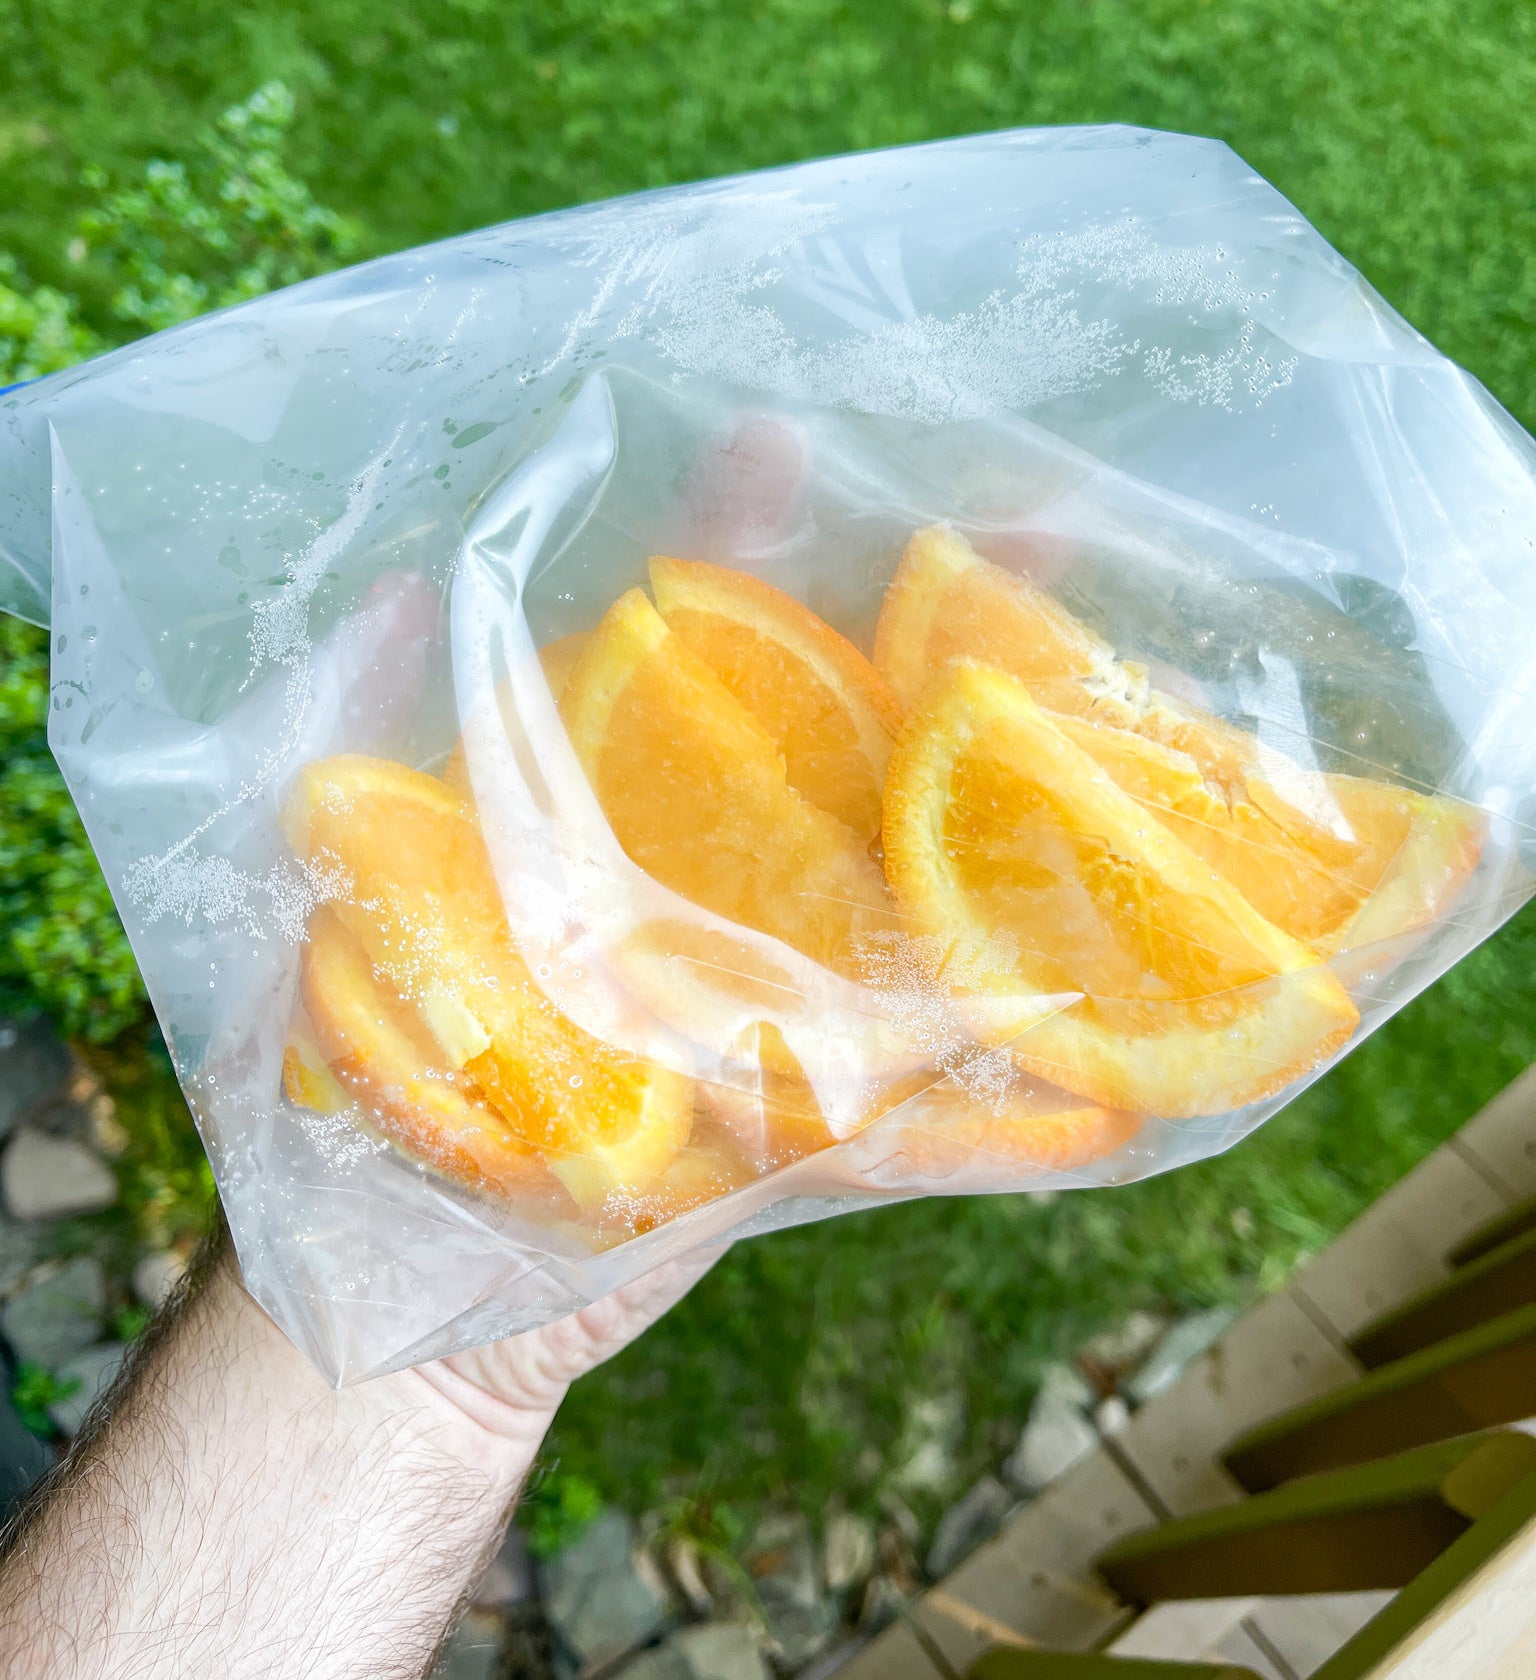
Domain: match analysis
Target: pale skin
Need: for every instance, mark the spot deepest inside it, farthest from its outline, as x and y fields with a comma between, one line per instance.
x=236, y=1517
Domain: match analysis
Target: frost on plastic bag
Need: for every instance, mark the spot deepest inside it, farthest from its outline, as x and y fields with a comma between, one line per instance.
x=978, y=668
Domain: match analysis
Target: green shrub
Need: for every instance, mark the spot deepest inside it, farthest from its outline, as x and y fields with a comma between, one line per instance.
x=225, y=225
x=33, y=1392
x=64, y=952
x=222, y=225
x=39, y=329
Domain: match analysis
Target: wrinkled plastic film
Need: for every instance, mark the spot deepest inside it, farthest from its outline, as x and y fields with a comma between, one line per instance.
x=353, y=525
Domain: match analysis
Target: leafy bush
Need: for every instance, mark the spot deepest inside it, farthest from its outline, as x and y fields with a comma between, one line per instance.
x=65, y=952
x=33, y=1392
x=225, y=224
x=39, y=331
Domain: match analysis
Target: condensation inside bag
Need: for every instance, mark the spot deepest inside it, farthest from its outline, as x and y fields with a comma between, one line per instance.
x=314, y=560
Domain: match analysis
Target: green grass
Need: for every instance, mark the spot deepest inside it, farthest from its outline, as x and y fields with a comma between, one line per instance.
x=1402, y=129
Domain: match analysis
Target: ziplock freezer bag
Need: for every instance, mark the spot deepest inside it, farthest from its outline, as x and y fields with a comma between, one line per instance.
x=972, y=668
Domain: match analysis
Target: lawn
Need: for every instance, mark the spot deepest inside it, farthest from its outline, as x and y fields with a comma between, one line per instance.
x=1402, y=130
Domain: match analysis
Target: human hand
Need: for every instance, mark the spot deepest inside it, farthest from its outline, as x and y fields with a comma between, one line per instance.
x=513, y=1387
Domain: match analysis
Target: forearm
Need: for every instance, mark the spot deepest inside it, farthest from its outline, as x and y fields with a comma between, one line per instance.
x=236, y=1517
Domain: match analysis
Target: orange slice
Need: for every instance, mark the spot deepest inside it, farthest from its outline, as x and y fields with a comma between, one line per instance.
x=697, y=793
x=1335, y=861
x=710, y=1166
x=943, y=1130
x=307, y=1077
x=823, y=704
x=421, y=902
x=378, y=1054
x=947, y=603
x=1007, y=843
x=920, y=1124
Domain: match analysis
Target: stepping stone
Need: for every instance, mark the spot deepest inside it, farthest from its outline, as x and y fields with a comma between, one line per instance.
x=57, y=1315
x=47, y=1177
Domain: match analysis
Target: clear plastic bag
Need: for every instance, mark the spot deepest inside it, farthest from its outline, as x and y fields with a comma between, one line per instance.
x=980, y=667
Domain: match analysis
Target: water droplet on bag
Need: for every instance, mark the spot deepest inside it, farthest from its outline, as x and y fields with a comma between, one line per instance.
x=143, y=682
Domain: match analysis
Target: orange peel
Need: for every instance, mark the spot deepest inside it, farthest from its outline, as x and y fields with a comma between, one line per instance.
x=825, y=707
x=1007, y=844
x=421, y=901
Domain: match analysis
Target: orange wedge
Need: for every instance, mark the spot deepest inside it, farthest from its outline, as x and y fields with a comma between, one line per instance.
x=773, y=1116
x=947, y=603
x=1008, y=844
x=820, y=700
x=943, y=1130
x=1335, y=861
x=708, y=1167
x=697, y=793
x=422, y=905
x=307, y=1077
x=378, y=1054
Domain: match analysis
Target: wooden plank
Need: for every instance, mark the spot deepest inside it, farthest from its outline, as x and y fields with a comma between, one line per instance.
x=1505, y=1227
x=1373, y=1525
x=1272, y=1358
x=1481, y=1379
x=1470, y=1616
x=1475, y=1293
x=1397, y=1247
x=1486, y=1631
x=1304, y=1632
x=1205, y=1629
x=1037, y=1574
x=1096, y=1665
x=1501, y=1138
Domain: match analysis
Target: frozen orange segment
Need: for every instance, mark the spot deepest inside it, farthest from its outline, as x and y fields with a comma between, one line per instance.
x=380, y=1055
x=1335, y=861
x=943, y=1129
x=947, y=603
x=307, y=1077
x=772, y=1113
x=820, y=700
x=1010, y=845
x=710, y=1166
x=697, y=793
x=417, y=894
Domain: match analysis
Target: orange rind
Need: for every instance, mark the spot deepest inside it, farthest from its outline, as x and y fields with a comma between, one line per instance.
x=1009, y=845
x=821, y=702
x=945, y=1129
x=1335, y=861
x=697, y=794
x=421, y=904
